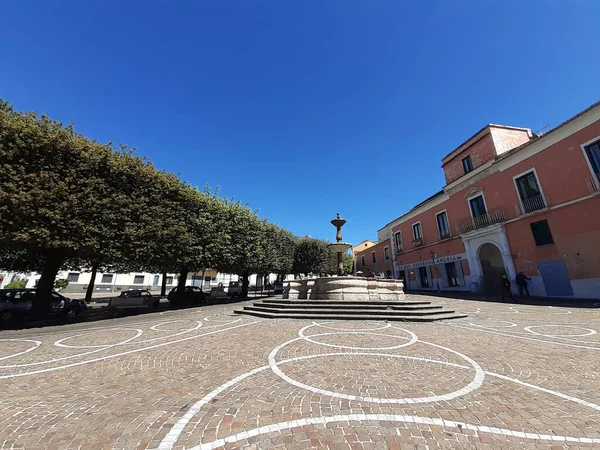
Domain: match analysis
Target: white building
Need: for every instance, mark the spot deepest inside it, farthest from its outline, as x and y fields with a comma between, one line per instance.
x=116, y=282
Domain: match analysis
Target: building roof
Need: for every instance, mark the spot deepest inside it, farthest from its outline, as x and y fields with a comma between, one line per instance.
x=477, y=136
x=552, y=130
x=427, y=200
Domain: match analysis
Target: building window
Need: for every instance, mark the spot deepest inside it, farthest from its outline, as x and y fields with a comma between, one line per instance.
x=107, y=278
x=417, y=233
x=373, y=257
x=442, y=224
x=169, y=280
x=398, y=237
x=451, y=273
x=530, y=193
x=423, y=277
x=362, y=260
x=386, y=253
x=593, y=153
x=207, y=279
x=138, y=279
x=541, y=233
x=73, y=277
x=477, y=205
x=467, y=164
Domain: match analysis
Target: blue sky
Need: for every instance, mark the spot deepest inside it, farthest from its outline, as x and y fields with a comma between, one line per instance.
x=302, y=108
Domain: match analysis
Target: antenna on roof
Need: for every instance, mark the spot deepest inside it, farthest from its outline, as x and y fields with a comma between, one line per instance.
x=542, y=130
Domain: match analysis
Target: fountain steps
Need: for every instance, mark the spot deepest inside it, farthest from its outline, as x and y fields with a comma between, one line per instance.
x=347, y=303
x=358, y=310
x=346, y=306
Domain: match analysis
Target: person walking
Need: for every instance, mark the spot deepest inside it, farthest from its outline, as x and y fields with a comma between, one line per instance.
x=506, y=292
x=522, y=280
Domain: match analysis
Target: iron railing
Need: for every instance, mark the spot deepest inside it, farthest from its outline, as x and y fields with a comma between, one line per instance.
x=593, y=183
x=444, y=235
x=417, y=242
x=532, y=204
x=482, y=221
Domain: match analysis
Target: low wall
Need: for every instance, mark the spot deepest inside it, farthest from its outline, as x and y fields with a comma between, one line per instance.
x=344, y=289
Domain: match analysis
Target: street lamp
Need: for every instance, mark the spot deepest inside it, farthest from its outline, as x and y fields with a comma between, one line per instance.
x=437, y=281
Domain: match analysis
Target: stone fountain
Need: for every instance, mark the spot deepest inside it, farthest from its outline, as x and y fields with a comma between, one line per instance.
x=343, y=288
x=345, y=297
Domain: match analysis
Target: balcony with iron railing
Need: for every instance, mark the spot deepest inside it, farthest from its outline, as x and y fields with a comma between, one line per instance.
x=417, y=242
x=531, y=205
x=485, y=220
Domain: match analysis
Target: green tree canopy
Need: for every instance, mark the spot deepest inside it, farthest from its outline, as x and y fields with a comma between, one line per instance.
x=67, y=201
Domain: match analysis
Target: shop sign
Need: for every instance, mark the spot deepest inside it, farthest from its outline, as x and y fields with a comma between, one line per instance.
x=430, y=262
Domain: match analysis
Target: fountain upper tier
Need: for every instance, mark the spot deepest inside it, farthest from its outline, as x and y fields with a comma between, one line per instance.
x=339, y=247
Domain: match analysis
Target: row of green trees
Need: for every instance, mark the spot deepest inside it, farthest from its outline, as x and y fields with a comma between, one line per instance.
x=70, y=202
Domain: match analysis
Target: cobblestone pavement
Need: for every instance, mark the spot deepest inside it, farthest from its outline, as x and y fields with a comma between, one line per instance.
x=508, y=376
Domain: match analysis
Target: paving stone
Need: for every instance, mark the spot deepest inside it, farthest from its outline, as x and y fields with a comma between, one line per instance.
x=508, y=376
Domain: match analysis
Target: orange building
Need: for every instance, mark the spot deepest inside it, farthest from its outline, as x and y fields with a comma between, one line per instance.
x=514, y=202
x=373, y=258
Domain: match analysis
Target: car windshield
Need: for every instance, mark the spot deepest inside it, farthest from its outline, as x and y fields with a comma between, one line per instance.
x=129, y=294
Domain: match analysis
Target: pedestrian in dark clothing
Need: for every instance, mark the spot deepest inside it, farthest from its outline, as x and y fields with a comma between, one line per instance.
x=506, y=288
x=522, y=282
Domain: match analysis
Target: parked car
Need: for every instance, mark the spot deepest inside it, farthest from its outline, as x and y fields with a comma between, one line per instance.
x=235, y=288
x=218, y=292
x=192, y=294
x=134, y=299
x=278, y=287
x=17, y=304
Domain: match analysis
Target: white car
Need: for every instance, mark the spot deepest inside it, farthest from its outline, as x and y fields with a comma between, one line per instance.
x=134, y=299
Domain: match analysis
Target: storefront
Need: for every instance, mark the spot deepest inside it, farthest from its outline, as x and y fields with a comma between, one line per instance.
x=446, y=272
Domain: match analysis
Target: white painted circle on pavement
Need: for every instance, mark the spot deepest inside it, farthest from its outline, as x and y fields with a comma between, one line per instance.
x=589, y=331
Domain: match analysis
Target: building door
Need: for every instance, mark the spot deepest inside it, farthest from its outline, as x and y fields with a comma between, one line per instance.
x=555, y=276
x=451, y=274
x=402, y=276
x=492, y=267
x=423, y=277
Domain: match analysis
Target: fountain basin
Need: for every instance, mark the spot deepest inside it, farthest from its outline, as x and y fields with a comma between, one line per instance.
x=349, y=289
x=339, y=247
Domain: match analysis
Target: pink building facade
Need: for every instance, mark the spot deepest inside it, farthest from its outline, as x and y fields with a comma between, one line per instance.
x=514, y=202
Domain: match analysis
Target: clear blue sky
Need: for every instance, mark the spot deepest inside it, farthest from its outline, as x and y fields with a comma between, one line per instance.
x=302, y=108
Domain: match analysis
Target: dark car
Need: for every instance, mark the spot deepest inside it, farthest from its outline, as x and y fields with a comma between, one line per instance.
x=278, y=287
x=17, y=304
x=192, y=294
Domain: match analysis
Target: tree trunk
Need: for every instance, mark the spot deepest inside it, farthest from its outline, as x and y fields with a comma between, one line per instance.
x=45, y=286
x=163, y=287
x=90, y=288
x=245, y=284
x=202, y=280
x=181, y=286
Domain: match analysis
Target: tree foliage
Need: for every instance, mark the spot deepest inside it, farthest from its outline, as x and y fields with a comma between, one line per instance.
x=19, y=284
x=311, y=256
x=70, y=202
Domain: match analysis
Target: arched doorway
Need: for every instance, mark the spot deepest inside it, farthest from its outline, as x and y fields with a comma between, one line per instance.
x=492, y=267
